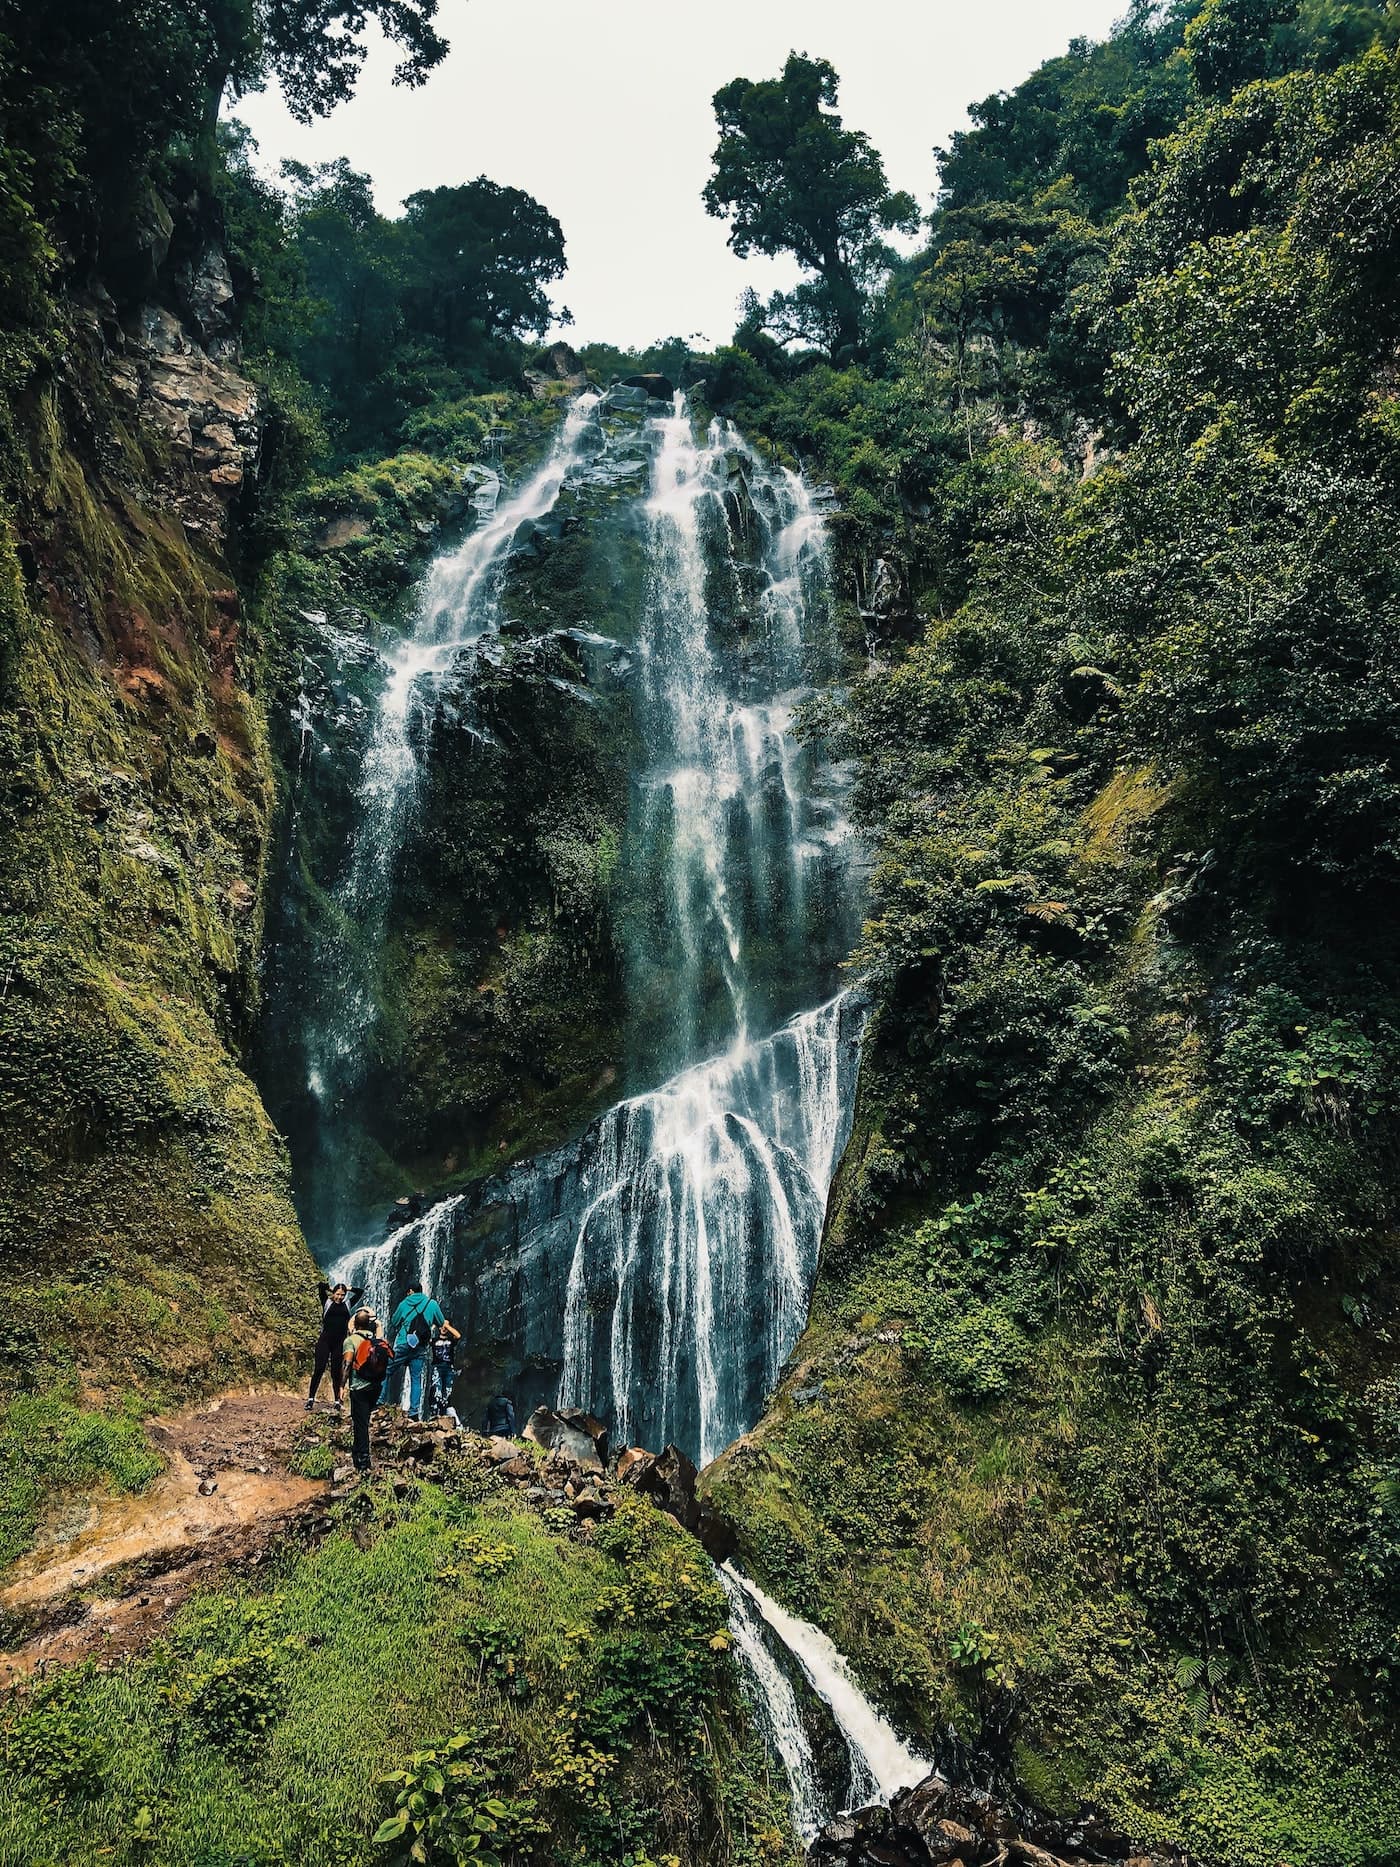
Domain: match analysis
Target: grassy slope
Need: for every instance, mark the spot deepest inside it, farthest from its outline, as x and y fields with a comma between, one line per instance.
x=594, y=1679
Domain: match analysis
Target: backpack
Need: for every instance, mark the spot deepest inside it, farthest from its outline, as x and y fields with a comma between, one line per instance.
x=417, y=1334
x=371, y=1363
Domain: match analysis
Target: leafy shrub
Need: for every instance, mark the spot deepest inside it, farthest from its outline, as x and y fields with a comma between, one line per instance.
x=52, y=1748
x=235, y=1703
x=445, y=1811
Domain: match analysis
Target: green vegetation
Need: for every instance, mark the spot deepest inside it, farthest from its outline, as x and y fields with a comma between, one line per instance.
x=390, y=320
x=49, y=1442
x=148, y=618
x=444, y=1667
x=1091, y=1446
x=791, y=179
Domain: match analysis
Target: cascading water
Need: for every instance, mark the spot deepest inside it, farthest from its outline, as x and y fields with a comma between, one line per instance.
x=775, y=1703
x=881, y=1763
x=459, y=601
x=658, y=1270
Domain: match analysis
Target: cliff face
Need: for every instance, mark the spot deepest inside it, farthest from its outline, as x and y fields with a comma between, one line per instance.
x=145, y=1226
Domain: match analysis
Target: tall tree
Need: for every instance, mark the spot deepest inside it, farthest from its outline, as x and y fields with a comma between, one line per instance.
x=314, y=48
x=480, y=255
x=792, y=179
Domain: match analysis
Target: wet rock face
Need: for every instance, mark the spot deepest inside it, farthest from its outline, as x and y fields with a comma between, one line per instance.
x=937, y=1824
x=578, y=1436
x=205, y=409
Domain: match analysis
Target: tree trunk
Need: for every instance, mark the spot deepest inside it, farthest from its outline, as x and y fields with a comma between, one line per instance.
x=206, y=149
x=844, y=294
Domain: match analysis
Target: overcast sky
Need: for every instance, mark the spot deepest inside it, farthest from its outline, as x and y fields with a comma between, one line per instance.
x=601, y=109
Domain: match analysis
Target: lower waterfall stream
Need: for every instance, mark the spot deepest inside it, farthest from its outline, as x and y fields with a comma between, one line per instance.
x=880, y=1763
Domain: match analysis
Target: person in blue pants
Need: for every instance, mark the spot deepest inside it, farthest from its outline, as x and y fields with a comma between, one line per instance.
x=411, y=1329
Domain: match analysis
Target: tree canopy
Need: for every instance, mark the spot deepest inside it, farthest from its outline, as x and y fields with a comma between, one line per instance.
x=792, y=179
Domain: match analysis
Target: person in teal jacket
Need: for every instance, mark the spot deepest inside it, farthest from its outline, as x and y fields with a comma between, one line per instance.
x=411, y=1329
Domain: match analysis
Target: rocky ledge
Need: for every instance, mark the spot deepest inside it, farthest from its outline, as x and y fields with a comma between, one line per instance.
x=938, y=1824
x=563, y=1464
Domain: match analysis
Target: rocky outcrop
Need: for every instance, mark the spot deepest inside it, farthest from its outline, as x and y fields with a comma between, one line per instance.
x=669, y=1479
x=190, y=392
x=937, y=1824
x=555, y=371
x=578, y=1436
x=135, y=797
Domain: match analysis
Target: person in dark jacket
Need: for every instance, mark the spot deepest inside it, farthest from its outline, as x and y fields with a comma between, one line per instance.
x=337, y=1301
x=499, y=1419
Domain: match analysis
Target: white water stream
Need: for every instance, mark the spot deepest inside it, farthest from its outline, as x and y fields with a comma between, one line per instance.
x=881, y=1762
x=664, y=1262
x=458, y=603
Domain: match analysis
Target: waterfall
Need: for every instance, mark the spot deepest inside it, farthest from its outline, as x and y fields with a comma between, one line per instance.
x=881, y=1763
x=697, y=1244
x=459, y=601
x=739, y=831
x=775, y=1704
x=658, y=1269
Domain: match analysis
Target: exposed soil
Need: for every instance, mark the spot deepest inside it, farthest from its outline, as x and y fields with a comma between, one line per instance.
x=102, y=1584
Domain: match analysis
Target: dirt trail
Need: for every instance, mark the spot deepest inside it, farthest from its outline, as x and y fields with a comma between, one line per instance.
x=106, y=1583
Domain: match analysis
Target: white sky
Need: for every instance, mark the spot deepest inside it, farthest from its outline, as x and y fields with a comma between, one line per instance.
x=601, y=109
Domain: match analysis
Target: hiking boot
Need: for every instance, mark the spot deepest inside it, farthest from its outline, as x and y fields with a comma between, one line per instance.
x=337, y=1408
x=311, y=1406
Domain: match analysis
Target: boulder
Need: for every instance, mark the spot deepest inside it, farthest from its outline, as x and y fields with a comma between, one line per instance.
x=499, y=1450
x=669, y=1481
x=554, y=371
x=658, y=388
x=939, y=1824
x=572, y=1434
x=625, y=396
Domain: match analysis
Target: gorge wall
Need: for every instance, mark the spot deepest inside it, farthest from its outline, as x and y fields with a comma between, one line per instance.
x=145, y=1222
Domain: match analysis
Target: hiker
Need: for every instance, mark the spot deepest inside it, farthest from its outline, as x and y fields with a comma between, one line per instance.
x=411, y=1333
x=498, y=1422
x=337, y=1301
x=444, y=1374
x=366, y=1362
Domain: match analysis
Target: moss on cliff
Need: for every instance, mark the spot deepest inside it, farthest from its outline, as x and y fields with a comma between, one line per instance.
x=496, y=986
x=149, y=1241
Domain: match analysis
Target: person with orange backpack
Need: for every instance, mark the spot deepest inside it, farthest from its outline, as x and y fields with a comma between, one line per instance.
x=367, y=1360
